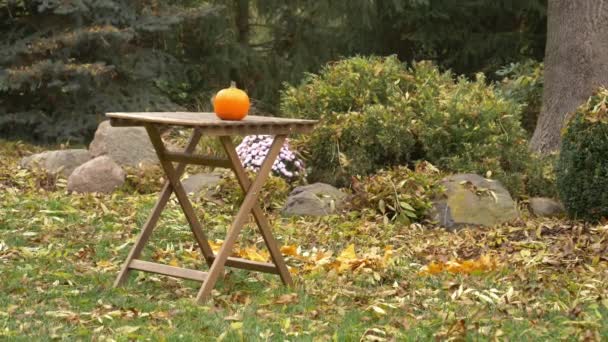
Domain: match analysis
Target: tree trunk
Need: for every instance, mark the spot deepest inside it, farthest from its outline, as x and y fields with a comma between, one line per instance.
x=242, y=20
x=576, y=63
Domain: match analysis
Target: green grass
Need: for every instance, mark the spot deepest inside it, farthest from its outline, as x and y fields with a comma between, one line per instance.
x=60, y=253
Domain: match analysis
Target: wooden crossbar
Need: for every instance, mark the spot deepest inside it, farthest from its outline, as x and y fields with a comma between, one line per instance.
x=197, y=159
x=179, y=272
x=251, y=265
x=172, y=271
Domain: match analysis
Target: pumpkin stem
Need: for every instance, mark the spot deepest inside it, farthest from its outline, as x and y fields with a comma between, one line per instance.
x=232, y=84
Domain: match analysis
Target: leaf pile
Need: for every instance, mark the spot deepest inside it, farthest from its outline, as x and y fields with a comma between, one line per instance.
x=399, y=193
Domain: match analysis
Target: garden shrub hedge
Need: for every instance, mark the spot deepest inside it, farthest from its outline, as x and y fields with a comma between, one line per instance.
x=375, y=112
x=582, y=167
x=523, y=83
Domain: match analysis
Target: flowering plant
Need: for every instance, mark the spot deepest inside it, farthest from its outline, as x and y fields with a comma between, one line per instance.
x=253, y=150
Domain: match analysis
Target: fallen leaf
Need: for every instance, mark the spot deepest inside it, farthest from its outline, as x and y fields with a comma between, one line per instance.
x=378, y=310
x=127, y=329
x=287, y=299
x=347, y=254
x=290, y=250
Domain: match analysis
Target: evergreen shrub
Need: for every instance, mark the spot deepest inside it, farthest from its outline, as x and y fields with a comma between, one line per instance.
x=582, y=167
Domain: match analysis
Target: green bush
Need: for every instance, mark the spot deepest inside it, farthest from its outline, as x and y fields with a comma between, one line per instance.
x=540, y=176
x=345, y=87
x=375, y=112
x=398, y=194
x=466, y=127
x=523, y=83
x=359, y=143
x=582, y=168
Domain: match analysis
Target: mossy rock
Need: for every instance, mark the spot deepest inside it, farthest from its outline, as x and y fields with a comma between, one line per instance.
x=470, y=199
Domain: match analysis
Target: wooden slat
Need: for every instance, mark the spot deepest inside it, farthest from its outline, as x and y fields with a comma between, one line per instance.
x=180, y=193
x=251, y=265
x=150, y=224
x=258, y=214
x=241, y=216
x=197, y=159
x=168, y=270
x=211, y=125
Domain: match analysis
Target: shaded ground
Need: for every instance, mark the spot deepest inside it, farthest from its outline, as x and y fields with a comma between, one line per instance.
x=356, y=277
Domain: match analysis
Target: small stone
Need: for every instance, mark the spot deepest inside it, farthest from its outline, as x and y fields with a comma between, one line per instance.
x=546, y=207
x=318, y=199
x=62, y=162
x=200, y=182
x=101, y=174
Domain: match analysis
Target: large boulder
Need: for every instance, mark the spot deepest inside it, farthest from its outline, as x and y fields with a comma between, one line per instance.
x=470, y=199
x=316, y=199
x=200, y=182
x=61, y=162
x=101, y=174
x=546, y=207
x=127, y=146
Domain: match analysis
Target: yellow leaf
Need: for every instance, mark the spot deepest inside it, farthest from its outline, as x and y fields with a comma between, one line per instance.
x=286, y=324
x=434, y=268
x=290, y=250
x=253, y=254
x=347, y=254
x=215, y=246
x=483, y=263
x=388, y=254
x=453, y=267
x=323, y=257
x=174, y=262
x=105, y=264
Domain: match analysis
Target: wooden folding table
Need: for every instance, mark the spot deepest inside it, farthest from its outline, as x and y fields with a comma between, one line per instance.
x=209, y=124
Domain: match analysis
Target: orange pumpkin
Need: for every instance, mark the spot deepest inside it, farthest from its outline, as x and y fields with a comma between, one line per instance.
x=231, y=103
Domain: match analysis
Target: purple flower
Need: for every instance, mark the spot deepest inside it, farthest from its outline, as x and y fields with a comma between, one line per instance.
x=254, y=148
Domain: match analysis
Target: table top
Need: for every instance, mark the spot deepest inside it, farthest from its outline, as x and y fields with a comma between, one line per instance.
x=210, y=124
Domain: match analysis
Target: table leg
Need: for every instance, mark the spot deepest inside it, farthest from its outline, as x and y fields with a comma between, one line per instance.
x=152, y=220
x=240, y=219
x=180, y=193
x=258, y=214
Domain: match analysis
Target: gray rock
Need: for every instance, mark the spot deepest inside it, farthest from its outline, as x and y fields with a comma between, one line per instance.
x=546, y=207
x=316, y=199
x=101, y=174
x=62, y=162
x=127, y=146
x=473, y=200
x=200, y=182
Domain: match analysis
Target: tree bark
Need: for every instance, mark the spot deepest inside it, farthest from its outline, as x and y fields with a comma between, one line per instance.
x=242, y=20
x=576, y=63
